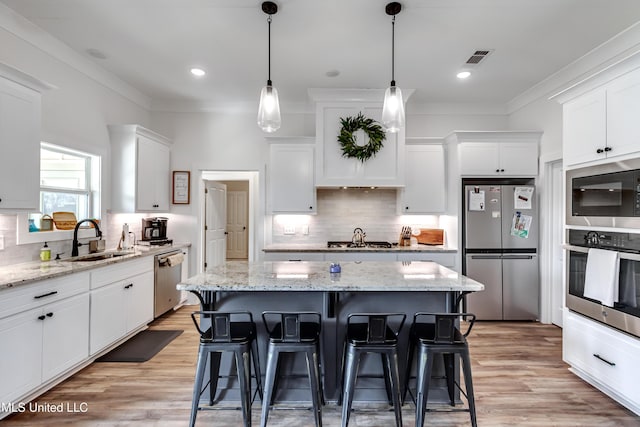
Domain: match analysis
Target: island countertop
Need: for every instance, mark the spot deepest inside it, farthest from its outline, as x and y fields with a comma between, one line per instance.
x=392, y=276
x=322, y=247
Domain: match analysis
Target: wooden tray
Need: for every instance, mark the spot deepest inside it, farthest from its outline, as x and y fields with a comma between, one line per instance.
x=64, y=220
x=431, y=236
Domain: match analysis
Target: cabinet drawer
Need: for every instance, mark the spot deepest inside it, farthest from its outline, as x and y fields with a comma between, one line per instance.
x=120, y=271
x=26, y=297
x=605, y=354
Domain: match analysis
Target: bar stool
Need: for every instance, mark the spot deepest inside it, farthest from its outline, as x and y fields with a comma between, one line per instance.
x=293, y=332
x=439, y=337
x=371, y=333
x=233, y=332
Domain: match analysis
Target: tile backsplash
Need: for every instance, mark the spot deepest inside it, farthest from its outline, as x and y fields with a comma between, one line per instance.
x=339, y=211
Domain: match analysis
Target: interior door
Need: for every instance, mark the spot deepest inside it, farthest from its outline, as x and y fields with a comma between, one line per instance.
x=215, y=224
x=237, y=219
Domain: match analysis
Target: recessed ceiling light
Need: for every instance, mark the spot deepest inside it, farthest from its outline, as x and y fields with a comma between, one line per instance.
x=463, y=74
x=332, y=73
x=198, y=72
x=96, y=53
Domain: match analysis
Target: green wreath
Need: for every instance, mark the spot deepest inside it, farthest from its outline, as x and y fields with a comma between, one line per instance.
x=347, y=139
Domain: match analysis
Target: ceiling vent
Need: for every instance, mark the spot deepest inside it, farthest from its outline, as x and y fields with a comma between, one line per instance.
x=477, y=57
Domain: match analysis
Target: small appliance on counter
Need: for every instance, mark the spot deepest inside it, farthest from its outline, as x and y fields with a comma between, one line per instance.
x=154, y=232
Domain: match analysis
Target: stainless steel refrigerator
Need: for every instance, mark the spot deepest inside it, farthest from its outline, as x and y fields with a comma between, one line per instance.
x=500, y=248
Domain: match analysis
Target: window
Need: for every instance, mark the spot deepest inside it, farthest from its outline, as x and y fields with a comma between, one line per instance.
x=65, y=181
x=69, y=182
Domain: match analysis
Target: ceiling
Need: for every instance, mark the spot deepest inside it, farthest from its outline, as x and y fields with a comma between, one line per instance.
x=152, y=44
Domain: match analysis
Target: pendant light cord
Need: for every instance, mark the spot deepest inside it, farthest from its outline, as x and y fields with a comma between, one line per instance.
x=269, y=50
x=393, y=50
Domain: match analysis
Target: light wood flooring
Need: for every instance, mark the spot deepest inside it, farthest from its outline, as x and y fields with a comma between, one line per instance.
x=519, y=379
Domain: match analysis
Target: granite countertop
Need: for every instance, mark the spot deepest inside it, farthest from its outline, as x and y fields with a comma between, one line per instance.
x=314, y=276
x=28, y=272
x=322, y=247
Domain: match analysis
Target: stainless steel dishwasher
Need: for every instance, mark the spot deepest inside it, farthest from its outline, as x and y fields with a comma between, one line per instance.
x=167, y=275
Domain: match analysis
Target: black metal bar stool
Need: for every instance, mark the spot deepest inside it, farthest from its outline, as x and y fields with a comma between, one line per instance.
x=233, y=332
x=371, y=333
x=293, y=332
x=440, y=335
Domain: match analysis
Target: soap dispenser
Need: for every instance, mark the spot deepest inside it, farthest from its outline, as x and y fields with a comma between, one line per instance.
x=45, y=253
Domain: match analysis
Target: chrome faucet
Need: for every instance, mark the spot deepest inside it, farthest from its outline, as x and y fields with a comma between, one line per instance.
x=76, y=244
x=358, y=237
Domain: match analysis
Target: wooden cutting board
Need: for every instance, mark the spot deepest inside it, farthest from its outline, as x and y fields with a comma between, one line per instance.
x=431, y=236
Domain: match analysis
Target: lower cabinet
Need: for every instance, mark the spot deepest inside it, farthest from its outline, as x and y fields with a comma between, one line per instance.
x=119, y=308
x=42, y=343
x=604, y=357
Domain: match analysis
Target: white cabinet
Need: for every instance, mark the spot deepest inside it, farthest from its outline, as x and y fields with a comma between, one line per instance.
x=140, y=169
x=386, y=168
x=498, y=158
x=425, y=179
x=584, y=131
x=604, y=357
x=602, y=123
x=20, y=113
x=46, y=337
x=120, y=308
x=291, y=178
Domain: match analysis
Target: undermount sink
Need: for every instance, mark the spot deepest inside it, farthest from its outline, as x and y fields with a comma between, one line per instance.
x=97, y=256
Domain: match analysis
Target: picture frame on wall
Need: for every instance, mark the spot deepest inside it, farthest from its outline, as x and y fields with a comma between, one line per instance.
x=181, y=187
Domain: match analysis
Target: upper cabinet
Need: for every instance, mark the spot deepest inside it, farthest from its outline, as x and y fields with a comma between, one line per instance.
x=385, y=169
x=291, y=177
x=506, y=153
x=600, y=117
x=425, y=179
x=140, y=165
x=20, y=124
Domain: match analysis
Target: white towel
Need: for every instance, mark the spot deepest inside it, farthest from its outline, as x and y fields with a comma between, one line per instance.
x=176, y=259
x=602, y=276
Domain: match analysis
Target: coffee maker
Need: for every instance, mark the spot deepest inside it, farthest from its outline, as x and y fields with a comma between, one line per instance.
x=154, y=231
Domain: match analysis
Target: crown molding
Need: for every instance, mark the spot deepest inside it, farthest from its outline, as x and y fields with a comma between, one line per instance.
x=615, y=50
x=26, y=30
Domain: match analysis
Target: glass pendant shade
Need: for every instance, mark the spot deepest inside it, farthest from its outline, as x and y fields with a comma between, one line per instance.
x=269, y=109
x=393, y=109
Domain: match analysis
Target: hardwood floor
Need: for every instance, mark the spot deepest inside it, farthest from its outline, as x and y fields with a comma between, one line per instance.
x=519, y=380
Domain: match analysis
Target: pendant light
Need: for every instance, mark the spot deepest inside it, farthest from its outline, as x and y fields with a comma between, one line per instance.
x=269, y=109
x=393, y=107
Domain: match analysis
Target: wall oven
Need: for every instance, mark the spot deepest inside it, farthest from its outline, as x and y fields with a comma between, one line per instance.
x=606, y=195
x=625, y=314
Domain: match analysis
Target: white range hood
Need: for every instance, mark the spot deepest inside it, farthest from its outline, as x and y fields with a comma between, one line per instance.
x=386, y=169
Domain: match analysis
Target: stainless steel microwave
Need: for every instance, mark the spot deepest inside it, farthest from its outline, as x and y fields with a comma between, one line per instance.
x=606, y=195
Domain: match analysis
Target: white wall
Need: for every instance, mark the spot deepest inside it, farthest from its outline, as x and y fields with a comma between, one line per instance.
x=74, y=114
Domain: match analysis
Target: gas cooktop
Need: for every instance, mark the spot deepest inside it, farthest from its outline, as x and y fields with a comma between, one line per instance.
x=345, y=244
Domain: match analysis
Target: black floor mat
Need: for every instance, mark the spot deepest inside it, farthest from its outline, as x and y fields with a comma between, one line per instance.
x=140, y=347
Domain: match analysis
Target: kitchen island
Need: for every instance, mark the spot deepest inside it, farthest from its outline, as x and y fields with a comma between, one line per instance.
x=309, y=286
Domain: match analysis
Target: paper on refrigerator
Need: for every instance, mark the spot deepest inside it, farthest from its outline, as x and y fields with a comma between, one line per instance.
x=522, y=197
x=520, y=225
x=476, y=200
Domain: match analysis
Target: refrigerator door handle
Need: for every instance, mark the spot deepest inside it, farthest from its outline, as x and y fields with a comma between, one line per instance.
x=517, y=256
x=486, y=257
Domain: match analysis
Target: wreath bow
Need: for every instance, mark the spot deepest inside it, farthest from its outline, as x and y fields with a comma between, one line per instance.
x=347, y=137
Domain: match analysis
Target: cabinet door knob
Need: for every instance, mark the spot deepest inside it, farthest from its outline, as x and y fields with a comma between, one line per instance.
x=501, y=170
x=310, y=207
x=607, y=149
x=406, y=208
x=41, y=317
x=497, y=170
x=599, y=151
x=49, y=314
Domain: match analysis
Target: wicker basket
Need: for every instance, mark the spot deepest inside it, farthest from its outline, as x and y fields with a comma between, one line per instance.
x=64, y=220
x=46, y=223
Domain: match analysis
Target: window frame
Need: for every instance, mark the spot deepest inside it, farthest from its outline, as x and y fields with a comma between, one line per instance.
x=93, y=177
